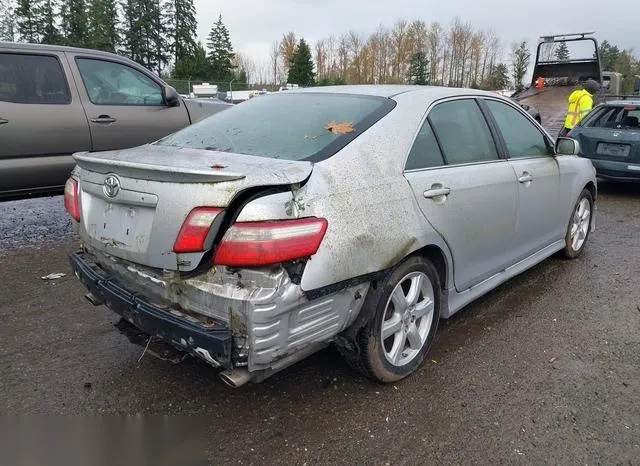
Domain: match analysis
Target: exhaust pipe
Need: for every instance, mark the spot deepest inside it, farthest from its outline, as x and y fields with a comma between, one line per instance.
x=236, y=377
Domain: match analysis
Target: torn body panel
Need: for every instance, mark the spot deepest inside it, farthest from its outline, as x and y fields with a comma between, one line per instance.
x=374, y=221
x=269, y=317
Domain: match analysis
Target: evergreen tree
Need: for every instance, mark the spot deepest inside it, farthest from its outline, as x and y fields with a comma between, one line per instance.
x=75, y=23
x=181, y=28
x=103, y=25
x=301, y=66
x=220, y=52
x=7, y=20
x=562, y=52
x=159, y=53
x=50, y=34
x=196, y=67
x=520, y=60
x=241, y=80
x=498, y=78
x=144, y=38
x=418, y=69
x=609, y=55
x=168, y=9
x=132, y=39
x=162, y=38
x=27, y=20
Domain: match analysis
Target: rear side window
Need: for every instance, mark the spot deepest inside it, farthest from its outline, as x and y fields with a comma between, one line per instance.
x=463, y=132
x=289, y=126
x=425, y=152
x=614, y=116
x=32, y=79
x=520, y=135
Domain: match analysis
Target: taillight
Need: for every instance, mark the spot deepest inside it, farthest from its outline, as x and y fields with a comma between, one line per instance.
x=71, y=200
x=195, y=229
x=253, y=244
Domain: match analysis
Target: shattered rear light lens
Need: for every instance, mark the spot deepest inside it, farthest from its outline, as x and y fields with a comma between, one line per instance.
x=71, y=199
x=195, y=229
x=253, y=244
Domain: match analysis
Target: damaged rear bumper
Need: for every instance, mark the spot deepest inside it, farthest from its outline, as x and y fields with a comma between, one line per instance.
x=210, y=343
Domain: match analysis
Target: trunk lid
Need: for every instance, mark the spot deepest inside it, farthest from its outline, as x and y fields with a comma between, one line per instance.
x=133, y=202
x=610, y=144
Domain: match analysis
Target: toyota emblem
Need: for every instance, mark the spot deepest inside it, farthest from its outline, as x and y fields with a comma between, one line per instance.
x=111, y=186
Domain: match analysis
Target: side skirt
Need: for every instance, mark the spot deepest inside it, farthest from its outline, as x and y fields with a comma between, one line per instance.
x=455, y=301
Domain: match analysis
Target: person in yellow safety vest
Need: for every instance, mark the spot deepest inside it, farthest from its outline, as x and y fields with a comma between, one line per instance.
x=580, y=104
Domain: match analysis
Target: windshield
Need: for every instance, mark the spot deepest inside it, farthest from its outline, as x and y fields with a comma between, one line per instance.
x=296, y=126
x=614, y=116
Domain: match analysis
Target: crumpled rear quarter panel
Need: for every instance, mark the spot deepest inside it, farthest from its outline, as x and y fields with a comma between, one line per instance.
x=374, y=220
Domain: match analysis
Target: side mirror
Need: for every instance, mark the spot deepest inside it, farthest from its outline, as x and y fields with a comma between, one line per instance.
x=171, y=96
x=567, y=146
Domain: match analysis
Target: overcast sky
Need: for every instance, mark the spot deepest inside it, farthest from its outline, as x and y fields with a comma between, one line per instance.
x=255, y=24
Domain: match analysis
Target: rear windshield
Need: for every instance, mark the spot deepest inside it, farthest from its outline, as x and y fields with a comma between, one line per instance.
x=296, y=126
x=614, y=116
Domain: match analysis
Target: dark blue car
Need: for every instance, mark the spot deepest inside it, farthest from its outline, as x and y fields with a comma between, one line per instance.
x=610, y=136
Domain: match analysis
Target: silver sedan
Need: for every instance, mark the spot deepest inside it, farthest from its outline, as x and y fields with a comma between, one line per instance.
x=353, y=215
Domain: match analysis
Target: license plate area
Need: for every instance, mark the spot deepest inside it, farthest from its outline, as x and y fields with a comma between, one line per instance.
x=613, y=150
x=120, y=226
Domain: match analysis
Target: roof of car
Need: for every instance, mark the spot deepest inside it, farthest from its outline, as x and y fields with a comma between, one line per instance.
x=55, y=48
x=623, y=102
x=391, y=90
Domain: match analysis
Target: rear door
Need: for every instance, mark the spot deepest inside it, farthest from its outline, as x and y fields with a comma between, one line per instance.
x=42, y=121
x=465, y=190
x=540, y=210
x=125, y=104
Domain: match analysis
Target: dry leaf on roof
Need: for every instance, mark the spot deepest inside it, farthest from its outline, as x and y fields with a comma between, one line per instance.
x=340, y=128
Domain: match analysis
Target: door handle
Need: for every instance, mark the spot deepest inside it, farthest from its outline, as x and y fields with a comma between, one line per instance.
x=105, y=119
x=525, y=178
x=436, y=191
x=3, y=121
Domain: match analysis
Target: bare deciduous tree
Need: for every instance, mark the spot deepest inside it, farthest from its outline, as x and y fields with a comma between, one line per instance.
x=436, y=49
x=548, y=51
x=355, y=45
x=287, y=49
x=400, y=51
x=275, y=62
x=459, y=56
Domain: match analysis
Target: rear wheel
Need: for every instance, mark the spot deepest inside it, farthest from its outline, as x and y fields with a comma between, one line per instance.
x=403, y=314
x=579, y=226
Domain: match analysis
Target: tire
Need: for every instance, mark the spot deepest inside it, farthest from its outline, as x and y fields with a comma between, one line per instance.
x=576, y=236
x=410, y=324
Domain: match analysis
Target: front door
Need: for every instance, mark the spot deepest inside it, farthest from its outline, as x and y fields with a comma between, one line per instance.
x=466, y=192
x=125, y=107
x=540, y=215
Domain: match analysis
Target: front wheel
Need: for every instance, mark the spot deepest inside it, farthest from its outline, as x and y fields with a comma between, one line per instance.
x=403, y=314
x=579, y=225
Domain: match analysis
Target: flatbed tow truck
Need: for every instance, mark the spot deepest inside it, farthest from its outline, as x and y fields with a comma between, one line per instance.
x=561, y=78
